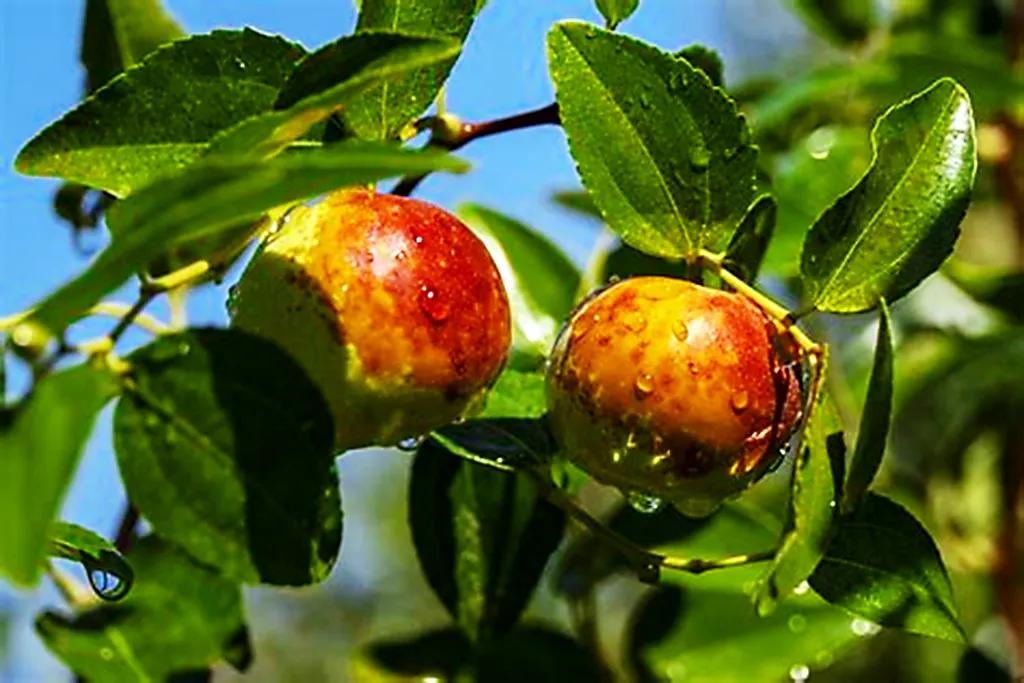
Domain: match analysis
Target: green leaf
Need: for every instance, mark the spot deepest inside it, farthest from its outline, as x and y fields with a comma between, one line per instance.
x=517, y=393
x=482, y=537
x=110, y=576
x=505, y=443
x=812, y=511
x=845, y=21
x=900, y=222
x=705, y=59
x=383, y=112
x=540, y=280
x=118, y=33
x=874, y=423
x=616, y=11
x=664, y=154
x=328, y=80
x=41, y=440
x=578, y=201
x=180, y=617
x=159, y=116
x=214, y=197
x=625, y=261
x=882, y=565
x=225, y=446
x=750, y=243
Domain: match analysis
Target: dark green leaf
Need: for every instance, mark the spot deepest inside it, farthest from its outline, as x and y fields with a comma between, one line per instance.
x=750, y=243
x=109, y=574
x=846, y=21
x=482, y=537
x=663, y=153
x=1001, y=289
x=41, y=440
x=541, y=281
x=505, y=443
x=517, y=393
x=874, y=423
x=180, y=617
x=441, y=653
x=383, y=112
x=159, y=116
x=118, y=33
x=882, y=565
x=625, y=261
x=705, y=59
x=900, y=222
x=225, y=446
x=812, y=512
x=214, y=197
x=616, y=11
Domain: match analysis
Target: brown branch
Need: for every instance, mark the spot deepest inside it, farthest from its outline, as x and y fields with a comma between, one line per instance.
x=462, y=134
x=125, y=536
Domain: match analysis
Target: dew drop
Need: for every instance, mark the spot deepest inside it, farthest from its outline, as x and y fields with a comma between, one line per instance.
x=106, y=653
x=739, y=401
x=692, y=367
x=641, y=502
x=239, y=63
x=700, y=158
x=106, y=584
x=411, y=443
x=418, y=239
x=432, y=304
x=799, y=673
x=681, y=331
x=634, y=322
x=802, y=588
x=643, y=386
x=863, y=627
x=796, y=623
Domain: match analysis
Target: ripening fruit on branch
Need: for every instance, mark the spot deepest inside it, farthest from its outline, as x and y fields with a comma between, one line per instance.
x=391, y=305
x=671, y=390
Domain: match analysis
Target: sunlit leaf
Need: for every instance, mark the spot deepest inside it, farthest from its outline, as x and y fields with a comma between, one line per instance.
x=616, y=11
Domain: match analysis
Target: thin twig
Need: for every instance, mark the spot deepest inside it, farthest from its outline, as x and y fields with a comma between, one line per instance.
x=125, y=536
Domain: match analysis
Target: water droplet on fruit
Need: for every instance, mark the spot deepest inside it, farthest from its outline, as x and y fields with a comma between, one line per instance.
x=641, y=502
x=799, y=673
x=681, y=331
x=418, y=239
x=634, y=322
x=432, y=304
x=400, y=255
x=739, y=401
x=411, y=443
x=692, y=367
x=643, y=386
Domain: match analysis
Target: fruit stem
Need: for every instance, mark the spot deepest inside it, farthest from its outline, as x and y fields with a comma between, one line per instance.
x=647, y=565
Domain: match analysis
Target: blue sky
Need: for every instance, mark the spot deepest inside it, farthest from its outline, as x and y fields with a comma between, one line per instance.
x=503, y=70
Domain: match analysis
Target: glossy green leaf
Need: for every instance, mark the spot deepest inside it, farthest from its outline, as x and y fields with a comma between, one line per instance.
x=663, y=153
x=900, y=221
x=705, y=59
x=383, y=112
x=328, y=80
x=109, y=574
x=616, y=11
x=882, y=565
x=812, y=515
x=225, y=446
x=846, y=21
x=540, y=280
x=482, y=537
x=118, y=33
x=505, y=443
x=159, y=116
x=180, y=617
x=874, y=423
x=750, y=243
x=41, y=440
x=517, y=393
x=216, y=196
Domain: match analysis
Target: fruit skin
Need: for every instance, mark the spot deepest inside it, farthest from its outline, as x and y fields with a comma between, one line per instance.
x=392, y=306
x=670, y=389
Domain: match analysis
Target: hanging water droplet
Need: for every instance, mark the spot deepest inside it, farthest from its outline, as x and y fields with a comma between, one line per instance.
x=700, y=158
x=411, y=443
x=432, y=304
x=739, y=401
x=643, y=386
x=681, y=331
x=106, y=584
x=799, y=673
x=641, y=502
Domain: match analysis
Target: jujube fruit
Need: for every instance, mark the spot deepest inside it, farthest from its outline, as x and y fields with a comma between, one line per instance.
x=669, y=389
x=391, y=305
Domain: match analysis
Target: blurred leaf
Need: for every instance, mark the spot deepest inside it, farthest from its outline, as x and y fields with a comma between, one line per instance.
x=225, y=446
x=441, y=653
x=41, y=440
x=541, y=281
x=101, y=560
x=328, y=80
x=882, y=565
x=616, y=11
x=663, y=153
x=705, y=59
x=504, y=443
x=900, y=222
x=578, y=201
x=517, y=393
x=750, y=242
x=180, y=617
x=812, y=511
x=118, y=33
x=381, y=113
x=808, y=179
x=159, y=116
x=214, y=197
x=874, y=423
x=845, y=21
x=482, y=538
x=1001, y=289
